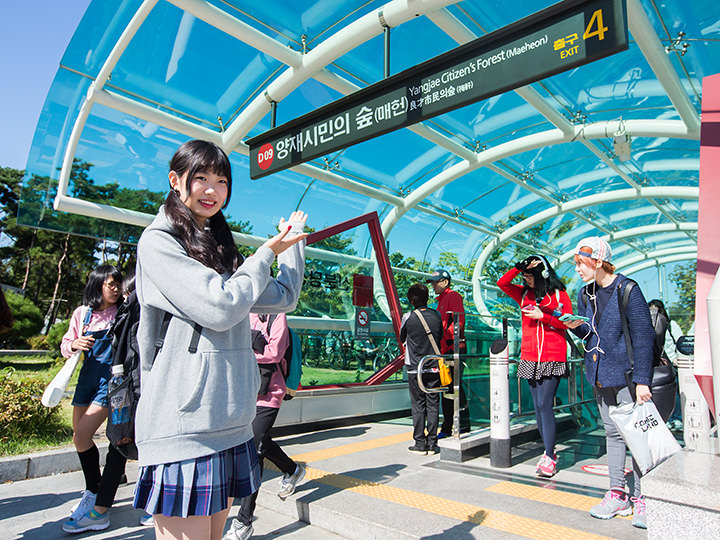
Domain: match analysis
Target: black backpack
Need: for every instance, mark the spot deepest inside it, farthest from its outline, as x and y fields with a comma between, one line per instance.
x=126, y=352
x=123, y=334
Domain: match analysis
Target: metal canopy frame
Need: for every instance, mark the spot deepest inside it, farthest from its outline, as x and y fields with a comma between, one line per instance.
x=300, y=66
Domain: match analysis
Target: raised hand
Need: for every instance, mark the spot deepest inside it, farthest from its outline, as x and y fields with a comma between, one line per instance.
x=282, y=241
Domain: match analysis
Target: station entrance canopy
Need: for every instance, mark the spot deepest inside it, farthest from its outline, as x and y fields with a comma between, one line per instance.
x=609, y=148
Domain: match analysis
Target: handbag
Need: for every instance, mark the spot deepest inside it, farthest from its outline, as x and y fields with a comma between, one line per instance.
x=663, y=386
x=56, y=389
x=443, y=368
x=645, y=433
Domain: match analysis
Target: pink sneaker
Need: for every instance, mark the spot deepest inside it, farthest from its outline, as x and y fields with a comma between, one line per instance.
x=547, y=466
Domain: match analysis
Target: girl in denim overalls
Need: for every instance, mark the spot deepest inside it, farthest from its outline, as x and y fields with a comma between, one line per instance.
x=88, y=332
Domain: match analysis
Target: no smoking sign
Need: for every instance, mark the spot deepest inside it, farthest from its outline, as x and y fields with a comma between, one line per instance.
x=362, y=323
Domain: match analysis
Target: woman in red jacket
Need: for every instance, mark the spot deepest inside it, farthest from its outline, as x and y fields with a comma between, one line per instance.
x=543, y=351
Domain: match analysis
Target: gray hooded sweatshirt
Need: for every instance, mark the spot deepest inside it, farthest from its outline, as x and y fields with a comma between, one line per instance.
x=194, y=405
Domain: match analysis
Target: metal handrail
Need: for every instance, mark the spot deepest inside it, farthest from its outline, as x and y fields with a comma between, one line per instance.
x=449, y=360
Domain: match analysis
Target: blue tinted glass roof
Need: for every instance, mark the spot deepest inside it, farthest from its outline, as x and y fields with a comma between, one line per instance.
x=194, y=68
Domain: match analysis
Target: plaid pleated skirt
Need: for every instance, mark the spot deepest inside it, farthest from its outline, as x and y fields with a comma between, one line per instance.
x=200, y=486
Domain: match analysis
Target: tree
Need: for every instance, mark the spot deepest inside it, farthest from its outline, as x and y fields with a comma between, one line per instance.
x=683, y=311
x=327, y=288
x=28, y=321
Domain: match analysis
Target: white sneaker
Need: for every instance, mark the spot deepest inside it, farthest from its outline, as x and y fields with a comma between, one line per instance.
x=289, y=481
x=238, y=531
x=84, y=505
x=146, y=520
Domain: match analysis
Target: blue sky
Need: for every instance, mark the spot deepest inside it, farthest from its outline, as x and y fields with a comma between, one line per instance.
x=33, y=38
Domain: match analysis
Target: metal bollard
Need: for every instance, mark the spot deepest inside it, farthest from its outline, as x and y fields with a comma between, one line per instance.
x=695, y=411
x=500, y=448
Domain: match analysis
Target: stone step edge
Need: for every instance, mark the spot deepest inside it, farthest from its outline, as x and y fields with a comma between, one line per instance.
x=46, y=463
x=343, y=524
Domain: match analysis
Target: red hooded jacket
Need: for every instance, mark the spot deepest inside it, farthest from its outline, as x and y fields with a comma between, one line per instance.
x=543, y=340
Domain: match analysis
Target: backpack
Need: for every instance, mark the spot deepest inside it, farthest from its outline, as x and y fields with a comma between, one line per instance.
x=293, y=361
x=125, y=350
x=623, y=292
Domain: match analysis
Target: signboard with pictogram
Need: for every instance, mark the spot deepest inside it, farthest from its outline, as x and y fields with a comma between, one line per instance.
x=362, y=323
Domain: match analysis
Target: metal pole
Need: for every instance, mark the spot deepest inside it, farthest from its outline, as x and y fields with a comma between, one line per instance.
x=386, y=63
x=456, y=375
x=273, y=114
x=500, y=447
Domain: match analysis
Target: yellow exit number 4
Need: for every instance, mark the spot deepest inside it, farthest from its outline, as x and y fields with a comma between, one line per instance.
x=596, y=18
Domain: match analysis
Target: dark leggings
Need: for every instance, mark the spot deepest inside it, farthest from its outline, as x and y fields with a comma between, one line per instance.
x=543, y=393
x=266, y=448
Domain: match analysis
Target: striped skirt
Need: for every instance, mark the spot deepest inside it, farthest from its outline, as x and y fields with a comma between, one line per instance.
x=200, y=486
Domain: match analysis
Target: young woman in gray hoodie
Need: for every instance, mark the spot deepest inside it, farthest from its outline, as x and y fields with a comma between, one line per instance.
x=198, y=388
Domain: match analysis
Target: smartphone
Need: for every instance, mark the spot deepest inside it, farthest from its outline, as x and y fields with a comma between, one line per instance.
x=567, y=317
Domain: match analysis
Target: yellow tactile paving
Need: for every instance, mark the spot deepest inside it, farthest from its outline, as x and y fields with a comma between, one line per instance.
x=351, y=448
x=494, y=519
x=546, y=495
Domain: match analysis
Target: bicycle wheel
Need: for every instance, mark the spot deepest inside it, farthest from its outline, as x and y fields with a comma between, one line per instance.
x=381, y=360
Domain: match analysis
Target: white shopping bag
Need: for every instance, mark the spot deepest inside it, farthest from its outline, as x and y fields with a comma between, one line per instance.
x=55, y=390
x=649, y=440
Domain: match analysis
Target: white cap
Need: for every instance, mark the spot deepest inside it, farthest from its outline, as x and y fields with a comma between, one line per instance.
x=118, y=369
x=600, y=248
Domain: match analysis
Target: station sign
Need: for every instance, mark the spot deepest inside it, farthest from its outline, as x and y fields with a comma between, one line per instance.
x=561, y=37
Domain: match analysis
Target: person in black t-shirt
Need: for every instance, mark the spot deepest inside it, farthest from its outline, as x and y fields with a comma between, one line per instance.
x=425, y=407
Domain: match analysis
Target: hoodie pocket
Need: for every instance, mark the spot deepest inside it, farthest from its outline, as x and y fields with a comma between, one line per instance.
x=222, y=396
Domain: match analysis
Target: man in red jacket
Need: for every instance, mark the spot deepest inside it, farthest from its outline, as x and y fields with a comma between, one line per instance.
x=448, y=303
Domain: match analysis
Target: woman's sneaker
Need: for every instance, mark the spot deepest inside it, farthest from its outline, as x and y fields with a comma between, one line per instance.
x=92, y=521
x=238, y=531
x=613, y=504
x=147, y=520
x=289, y=481
x=639, y=519
x=84, y=505
x=547, y=466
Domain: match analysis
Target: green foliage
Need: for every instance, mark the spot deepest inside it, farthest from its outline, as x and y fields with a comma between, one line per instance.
x=38, y=343
x=55, y=335
x=28, y=320
x=404, y=281
x=320, y=296
x=21, y=413
x=683, y=311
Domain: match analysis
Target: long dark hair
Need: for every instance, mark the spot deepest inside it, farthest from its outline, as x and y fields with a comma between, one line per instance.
x=213, y=246
x=92, y=294
x=544, y=285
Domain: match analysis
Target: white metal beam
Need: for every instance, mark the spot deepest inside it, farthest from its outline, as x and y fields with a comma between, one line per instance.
x=660, y=261
x=631, y=260
x=645, y=36
x=669, y=192
x=394, y=13
x=112, y=60
x=637, y=128
x=239, y=30
x=638, y=231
